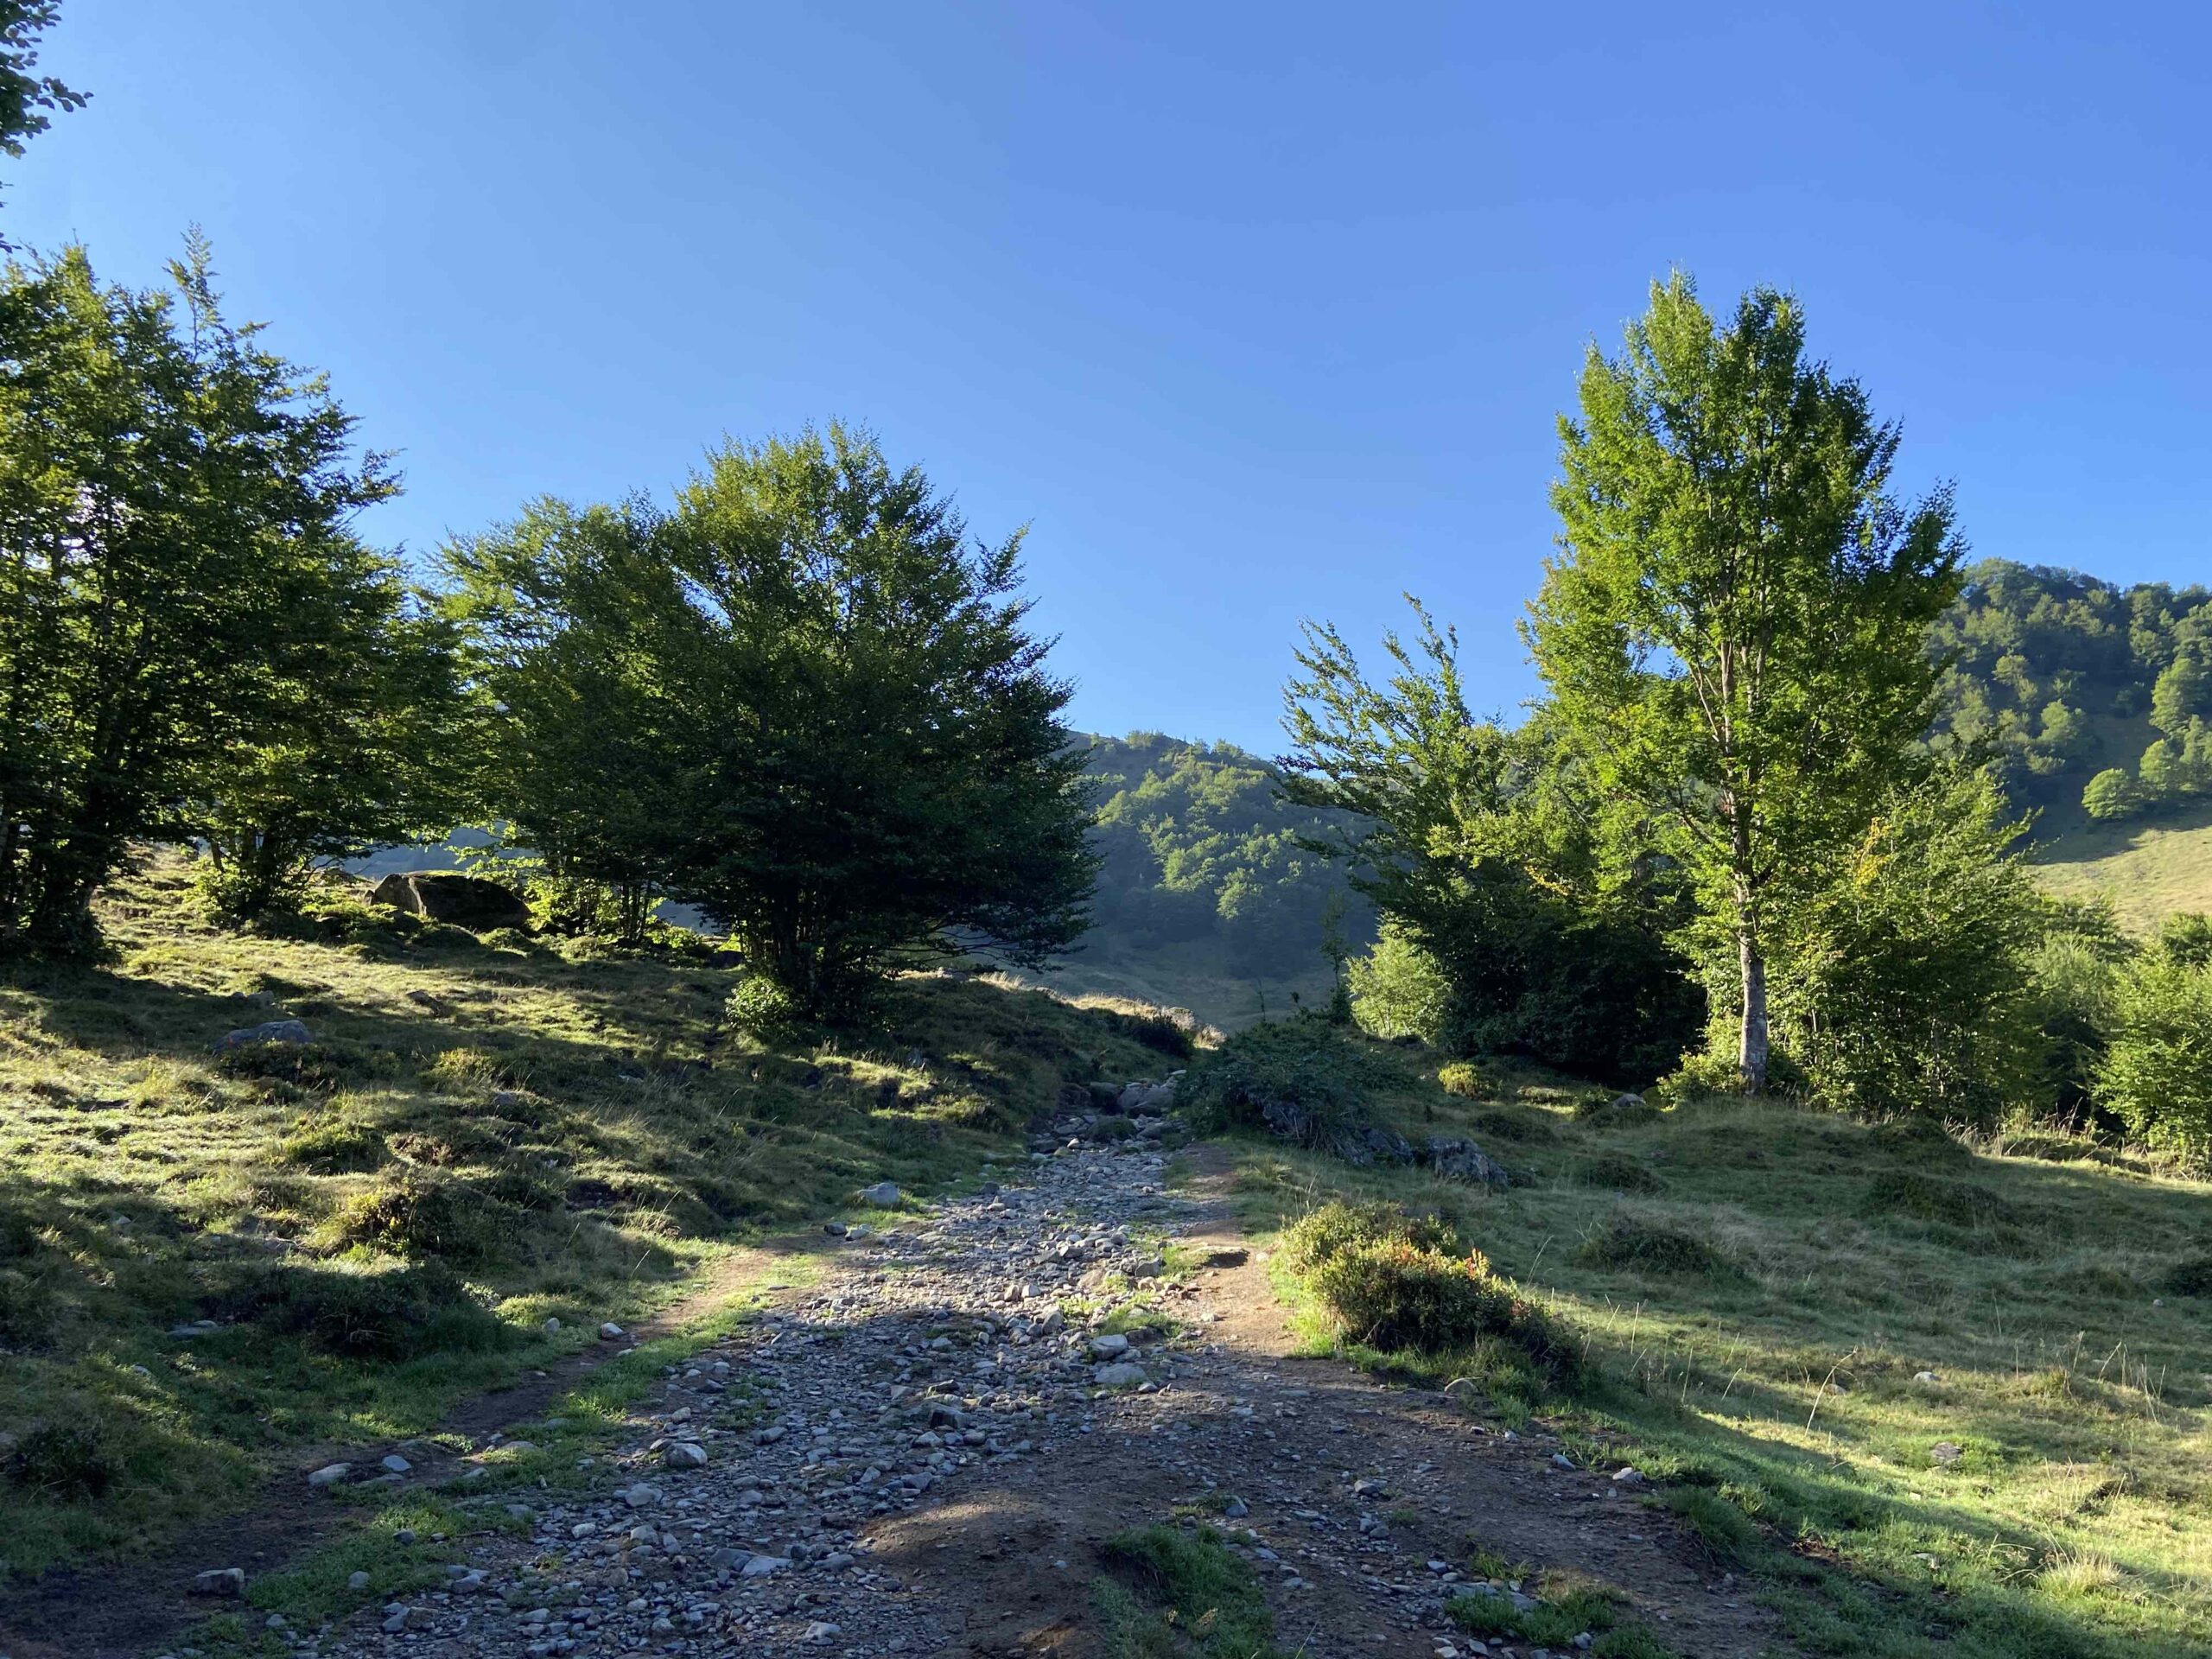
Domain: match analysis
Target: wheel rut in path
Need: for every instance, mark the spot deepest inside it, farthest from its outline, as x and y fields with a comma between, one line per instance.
x=915, y=1458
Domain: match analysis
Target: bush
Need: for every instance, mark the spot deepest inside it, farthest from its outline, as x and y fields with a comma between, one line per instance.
x=1523, y=1126
x=1706, y=1075
x=1321, y=1235
x=1397, y=989
x=1300, y=1077
x=1653, y=1247
x=1618, y=1173
x=415, y=1217
x=1394, y=1282
x=1616, y=1111
x=61, y=1460
x=762, y=1008
x=1464, y=1079
x=2157, y=1072
x=1930, y=1197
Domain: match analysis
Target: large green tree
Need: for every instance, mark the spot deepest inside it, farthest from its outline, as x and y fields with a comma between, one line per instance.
x=834, y=732
x=350, y=727
x=1733, y=629
x=161, y=474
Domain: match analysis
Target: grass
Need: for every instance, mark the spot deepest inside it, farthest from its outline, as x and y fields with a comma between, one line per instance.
x=2150, y=868
x=1756, y=1334
x=1567, y=1605
x=1173, y=1591
x=483, y=1137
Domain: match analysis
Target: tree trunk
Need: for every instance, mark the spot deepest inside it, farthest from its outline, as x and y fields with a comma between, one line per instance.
x=1750, y=1054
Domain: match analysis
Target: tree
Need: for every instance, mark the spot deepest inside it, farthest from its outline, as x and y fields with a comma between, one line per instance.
x=25, y=96
x=1483, y=849
x=2157, y=1068
x=352, y=729
x=1732, y=632
x=2111, y=794
x=579, y=634
x=160, y=471
x=834, y=732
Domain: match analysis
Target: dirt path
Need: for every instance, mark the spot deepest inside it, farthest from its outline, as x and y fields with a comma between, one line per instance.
x=917, y=1458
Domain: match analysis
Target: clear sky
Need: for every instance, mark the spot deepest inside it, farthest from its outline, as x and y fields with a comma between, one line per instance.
x=1252, y=312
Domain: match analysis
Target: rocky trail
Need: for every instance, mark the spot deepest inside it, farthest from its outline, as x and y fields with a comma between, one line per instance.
x=923, y=1454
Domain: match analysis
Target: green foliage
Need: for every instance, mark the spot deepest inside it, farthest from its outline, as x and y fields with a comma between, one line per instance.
x=1174, y=1591
x=170, y=488
x=2156, y=1070
x=1619, y=1171
x=1462, y=1078
x=419, y=1217
x=801, y=699
x=1197, y=843
x=64, y=1460
x=1568, y=1609
x=1397, y=1282
x=1732, y=634
x=1903, y=984
x=1398, y=990
x=2081, y=690
x=392, y=1315
x=762, y=1007
x=26, y=95
x=1484, y=852
x=1298, y=1078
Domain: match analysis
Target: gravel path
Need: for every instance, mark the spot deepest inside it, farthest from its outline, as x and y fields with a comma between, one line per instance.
x=923, y=1455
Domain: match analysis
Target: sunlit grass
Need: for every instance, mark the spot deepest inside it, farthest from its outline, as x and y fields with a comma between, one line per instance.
x=1994, y=1418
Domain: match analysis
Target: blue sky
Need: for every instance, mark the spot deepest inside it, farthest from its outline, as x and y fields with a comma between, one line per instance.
x=1253, y=312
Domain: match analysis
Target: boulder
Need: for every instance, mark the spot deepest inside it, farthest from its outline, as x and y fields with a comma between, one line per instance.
x=883, y=1194
x=220, y=1581
x=685, y=1454
x=1121, y=1374
x=1347, y=1134
x=283, y=1033
x=466, y=901
x=1462, y=1160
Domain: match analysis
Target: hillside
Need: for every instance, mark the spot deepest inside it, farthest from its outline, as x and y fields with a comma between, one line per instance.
x=212, y=1264
x=2150, y=870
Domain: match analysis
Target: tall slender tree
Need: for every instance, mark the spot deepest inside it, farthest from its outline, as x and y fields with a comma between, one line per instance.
x=1733, y=629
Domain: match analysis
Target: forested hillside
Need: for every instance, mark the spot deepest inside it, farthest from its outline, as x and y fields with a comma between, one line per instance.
x=2084, y=689
x=1205, y=898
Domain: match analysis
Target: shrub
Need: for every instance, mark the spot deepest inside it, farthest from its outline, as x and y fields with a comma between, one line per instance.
x=1172, y=1032
x=1300, y=1078
x=1394, y=1282
x=1931, y=1198
x=1618, y=1173
x=1397, y=989
x=2157, y=1072
x=1322, y=1234
x=762, y=1008
x=64, y=1460
x=415, y=1217
x=1462, y=1078
x=1525, y=1126
x=1703, y=1076
x=1653, y=1247
x=333, y=1148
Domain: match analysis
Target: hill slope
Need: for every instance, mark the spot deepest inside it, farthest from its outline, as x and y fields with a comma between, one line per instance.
x=481, y=1136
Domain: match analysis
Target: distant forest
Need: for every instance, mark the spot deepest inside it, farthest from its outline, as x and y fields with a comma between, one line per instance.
x=2092, y=698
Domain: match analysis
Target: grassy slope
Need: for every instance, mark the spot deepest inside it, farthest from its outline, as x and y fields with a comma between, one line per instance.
x=2150, y=870
x=1195, y=975
x=576, y=1138
x=2078, y=1520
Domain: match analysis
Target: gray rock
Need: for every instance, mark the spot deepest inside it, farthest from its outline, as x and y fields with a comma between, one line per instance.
x=357, y=1581
x=1462, y=1160
x=761, y=1567
x=551, y=1327
x=330, y=1474
x=1110, y=1346
x=883, y=1195
x=220, y=1581
x=281, y=1033
x=640, y=1497
x=395, y=1464
x=685, y=1454
x=1122, y=1376
x=1945, y=1453
x=610, y=1331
